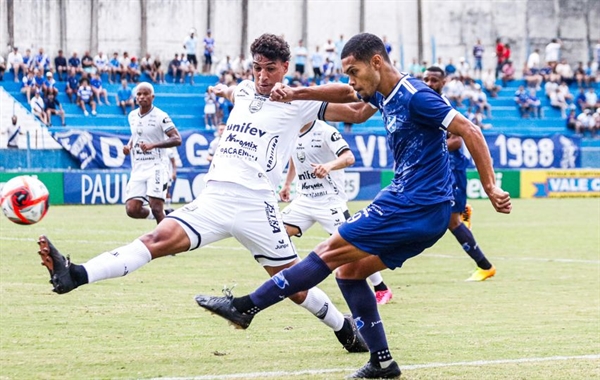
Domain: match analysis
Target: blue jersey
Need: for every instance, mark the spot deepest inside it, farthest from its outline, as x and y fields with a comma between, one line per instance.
x=416, y=118
x=124, y=93
x=73, y=82
x=96, y=82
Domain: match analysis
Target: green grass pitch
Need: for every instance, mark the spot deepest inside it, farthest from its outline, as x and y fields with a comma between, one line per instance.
x=539, y=318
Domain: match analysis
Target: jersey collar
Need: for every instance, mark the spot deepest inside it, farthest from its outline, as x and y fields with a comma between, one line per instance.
x=309, y=129
x=147, y=113
x=405, y=77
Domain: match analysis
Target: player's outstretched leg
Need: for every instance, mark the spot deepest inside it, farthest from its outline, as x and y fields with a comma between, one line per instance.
x=58, y=266
x=349, y=336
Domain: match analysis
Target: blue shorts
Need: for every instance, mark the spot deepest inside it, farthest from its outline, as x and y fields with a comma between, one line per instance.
x=459, y=190
x=396, y=229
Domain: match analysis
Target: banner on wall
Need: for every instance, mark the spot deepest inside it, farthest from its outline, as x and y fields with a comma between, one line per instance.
x=560, y=183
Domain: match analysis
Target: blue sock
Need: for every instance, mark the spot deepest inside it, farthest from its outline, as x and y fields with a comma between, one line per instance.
x=467, y=241
x=362, y=304
x=307, y=273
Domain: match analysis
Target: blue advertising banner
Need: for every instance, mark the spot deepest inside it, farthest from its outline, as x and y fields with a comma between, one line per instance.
x=96, y=150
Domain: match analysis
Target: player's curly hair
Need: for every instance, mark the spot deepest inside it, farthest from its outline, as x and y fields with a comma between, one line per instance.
x=272, y=47
x=364, y=46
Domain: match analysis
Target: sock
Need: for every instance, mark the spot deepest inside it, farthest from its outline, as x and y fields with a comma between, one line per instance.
x=466, y=239
x=381, y=287
x=118, y=262
x=376, y=279
x=318, y=303
x=362, y=304
x=78, y=274
x=306, y=274
x=150, y=214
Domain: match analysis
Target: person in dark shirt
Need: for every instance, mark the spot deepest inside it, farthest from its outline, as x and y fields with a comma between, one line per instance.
x=53, y=107
x=60, y=65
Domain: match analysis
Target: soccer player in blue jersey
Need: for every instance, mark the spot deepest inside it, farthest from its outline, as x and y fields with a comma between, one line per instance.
x=434, y=78
x=405, y=218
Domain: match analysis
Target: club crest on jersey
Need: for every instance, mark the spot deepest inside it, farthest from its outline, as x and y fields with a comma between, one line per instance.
x=301, y=156
x=256, y=105
x=390, y=124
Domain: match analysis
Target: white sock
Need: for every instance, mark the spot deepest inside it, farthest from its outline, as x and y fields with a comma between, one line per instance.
x=376, y=278
x=118, y=262
x=150, y=214
x=318, y=303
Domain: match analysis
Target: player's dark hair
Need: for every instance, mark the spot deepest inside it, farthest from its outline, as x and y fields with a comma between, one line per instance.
x=271, y=47
x=364, y=46
x=436, y=69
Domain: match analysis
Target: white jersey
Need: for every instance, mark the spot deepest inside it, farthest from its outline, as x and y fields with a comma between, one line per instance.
x=151, y=127
x=259, y=138
x=320, y=144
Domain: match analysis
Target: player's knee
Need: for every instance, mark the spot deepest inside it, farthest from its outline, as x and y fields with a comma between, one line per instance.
x=454, y=221
x=134, y=210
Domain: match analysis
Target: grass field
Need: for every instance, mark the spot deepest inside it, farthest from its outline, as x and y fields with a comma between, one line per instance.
x=539, y=318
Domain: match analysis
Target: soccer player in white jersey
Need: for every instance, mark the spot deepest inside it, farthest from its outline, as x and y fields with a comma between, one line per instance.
x=152, y=131
x=318, y=164
x=240, y=195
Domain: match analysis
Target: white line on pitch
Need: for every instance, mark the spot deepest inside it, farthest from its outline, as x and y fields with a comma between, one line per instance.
x=239, y=248
x=257, y=375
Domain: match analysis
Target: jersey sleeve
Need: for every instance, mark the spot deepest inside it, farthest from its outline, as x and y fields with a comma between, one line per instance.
x=166, y=123
x=310, y=110
x=335, y=141
x=428, y=108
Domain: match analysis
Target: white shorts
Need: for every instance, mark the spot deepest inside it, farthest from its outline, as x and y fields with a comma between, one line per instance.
x=150, y=183
x=252, y=217
x=303, y=212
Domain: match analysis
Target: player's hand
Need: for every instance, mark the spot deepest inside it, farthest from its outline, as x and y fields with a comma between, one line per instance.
x=500, y=200
x=218, y=89
x=146, y=146
x=320, y=170
x=126, y=150
x=281, y=93
x=284, y=193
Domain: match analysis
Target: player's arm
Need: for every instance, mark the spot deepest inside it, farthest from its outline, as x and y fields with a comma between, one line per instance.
x=174, y=139
x=355, y=113
x=345, y=159
x=332, y=93
x=174, y=171
x=454, y=142
x=127, y=147
x=285, y=191
x=478, y=148
x=223, y=90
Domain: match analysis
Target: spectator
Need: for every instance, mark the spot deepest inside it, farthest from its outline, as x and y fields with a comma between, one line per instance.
x=552, y=52
x=49, y=85
x=339, y=46
x=591, y=99
x=328, y=70
x=550, y=87
x=101, y=63
x=329, y=50
x=522, y=101
x=590, y=75
x=587, y=121
x=209, y=48
x=534, y=104
x=210, y=110
x=508, y=73
x=557, y=100
x=225, y=66
x=580, y=101
x=499, y=56
x=450, y=69
x=174, y=68
x=60, y=65
x=477, y=119
x=16, y=64
x=480, y=102
x=75, y=62
x=454, y=92
x=157, y=73
x=53, y=107
x=597, y=54
x=187, y=69
x=388, y=46
x=39, y=80
x=506, y=54
x=125, y=61
x=97, y=89
x=489, y=83
x=533, y=61
x=125, y=97
x=38, y=108
x=114, y=68
x=463, y=69
x=572, y=122
x=2, y=67
x=85, y=95
x=133, y=70
x=41, y=61
x=301, y=55
x=566, y=92
x=532, y=78
x=72, y=84
x=415, y=69
x=478, y=50
x=87, y=63
x=241, y=65
x=316, y=60
x=597, y=119
x=28, y=60
x=191, y=45
x=14, y=130
x=28, y=85
x=439, y=63
x=146, y=66
x=564, y=70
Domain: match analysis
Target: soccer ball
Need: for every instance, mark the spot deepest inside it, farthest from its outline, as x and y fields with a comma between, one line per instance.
x=24, y=200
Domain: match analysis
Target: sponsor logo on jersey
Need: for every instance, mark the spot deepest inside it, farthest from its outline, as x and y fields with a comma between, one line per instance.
x=314, y=186
x=306, y=175
x=280, y=280
x=272, y=218
x=243, y=144
x=281, y=244
x=322, y=311
x=336, y=136
x=167, y=120
x=246, y=128
x=272, y=153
